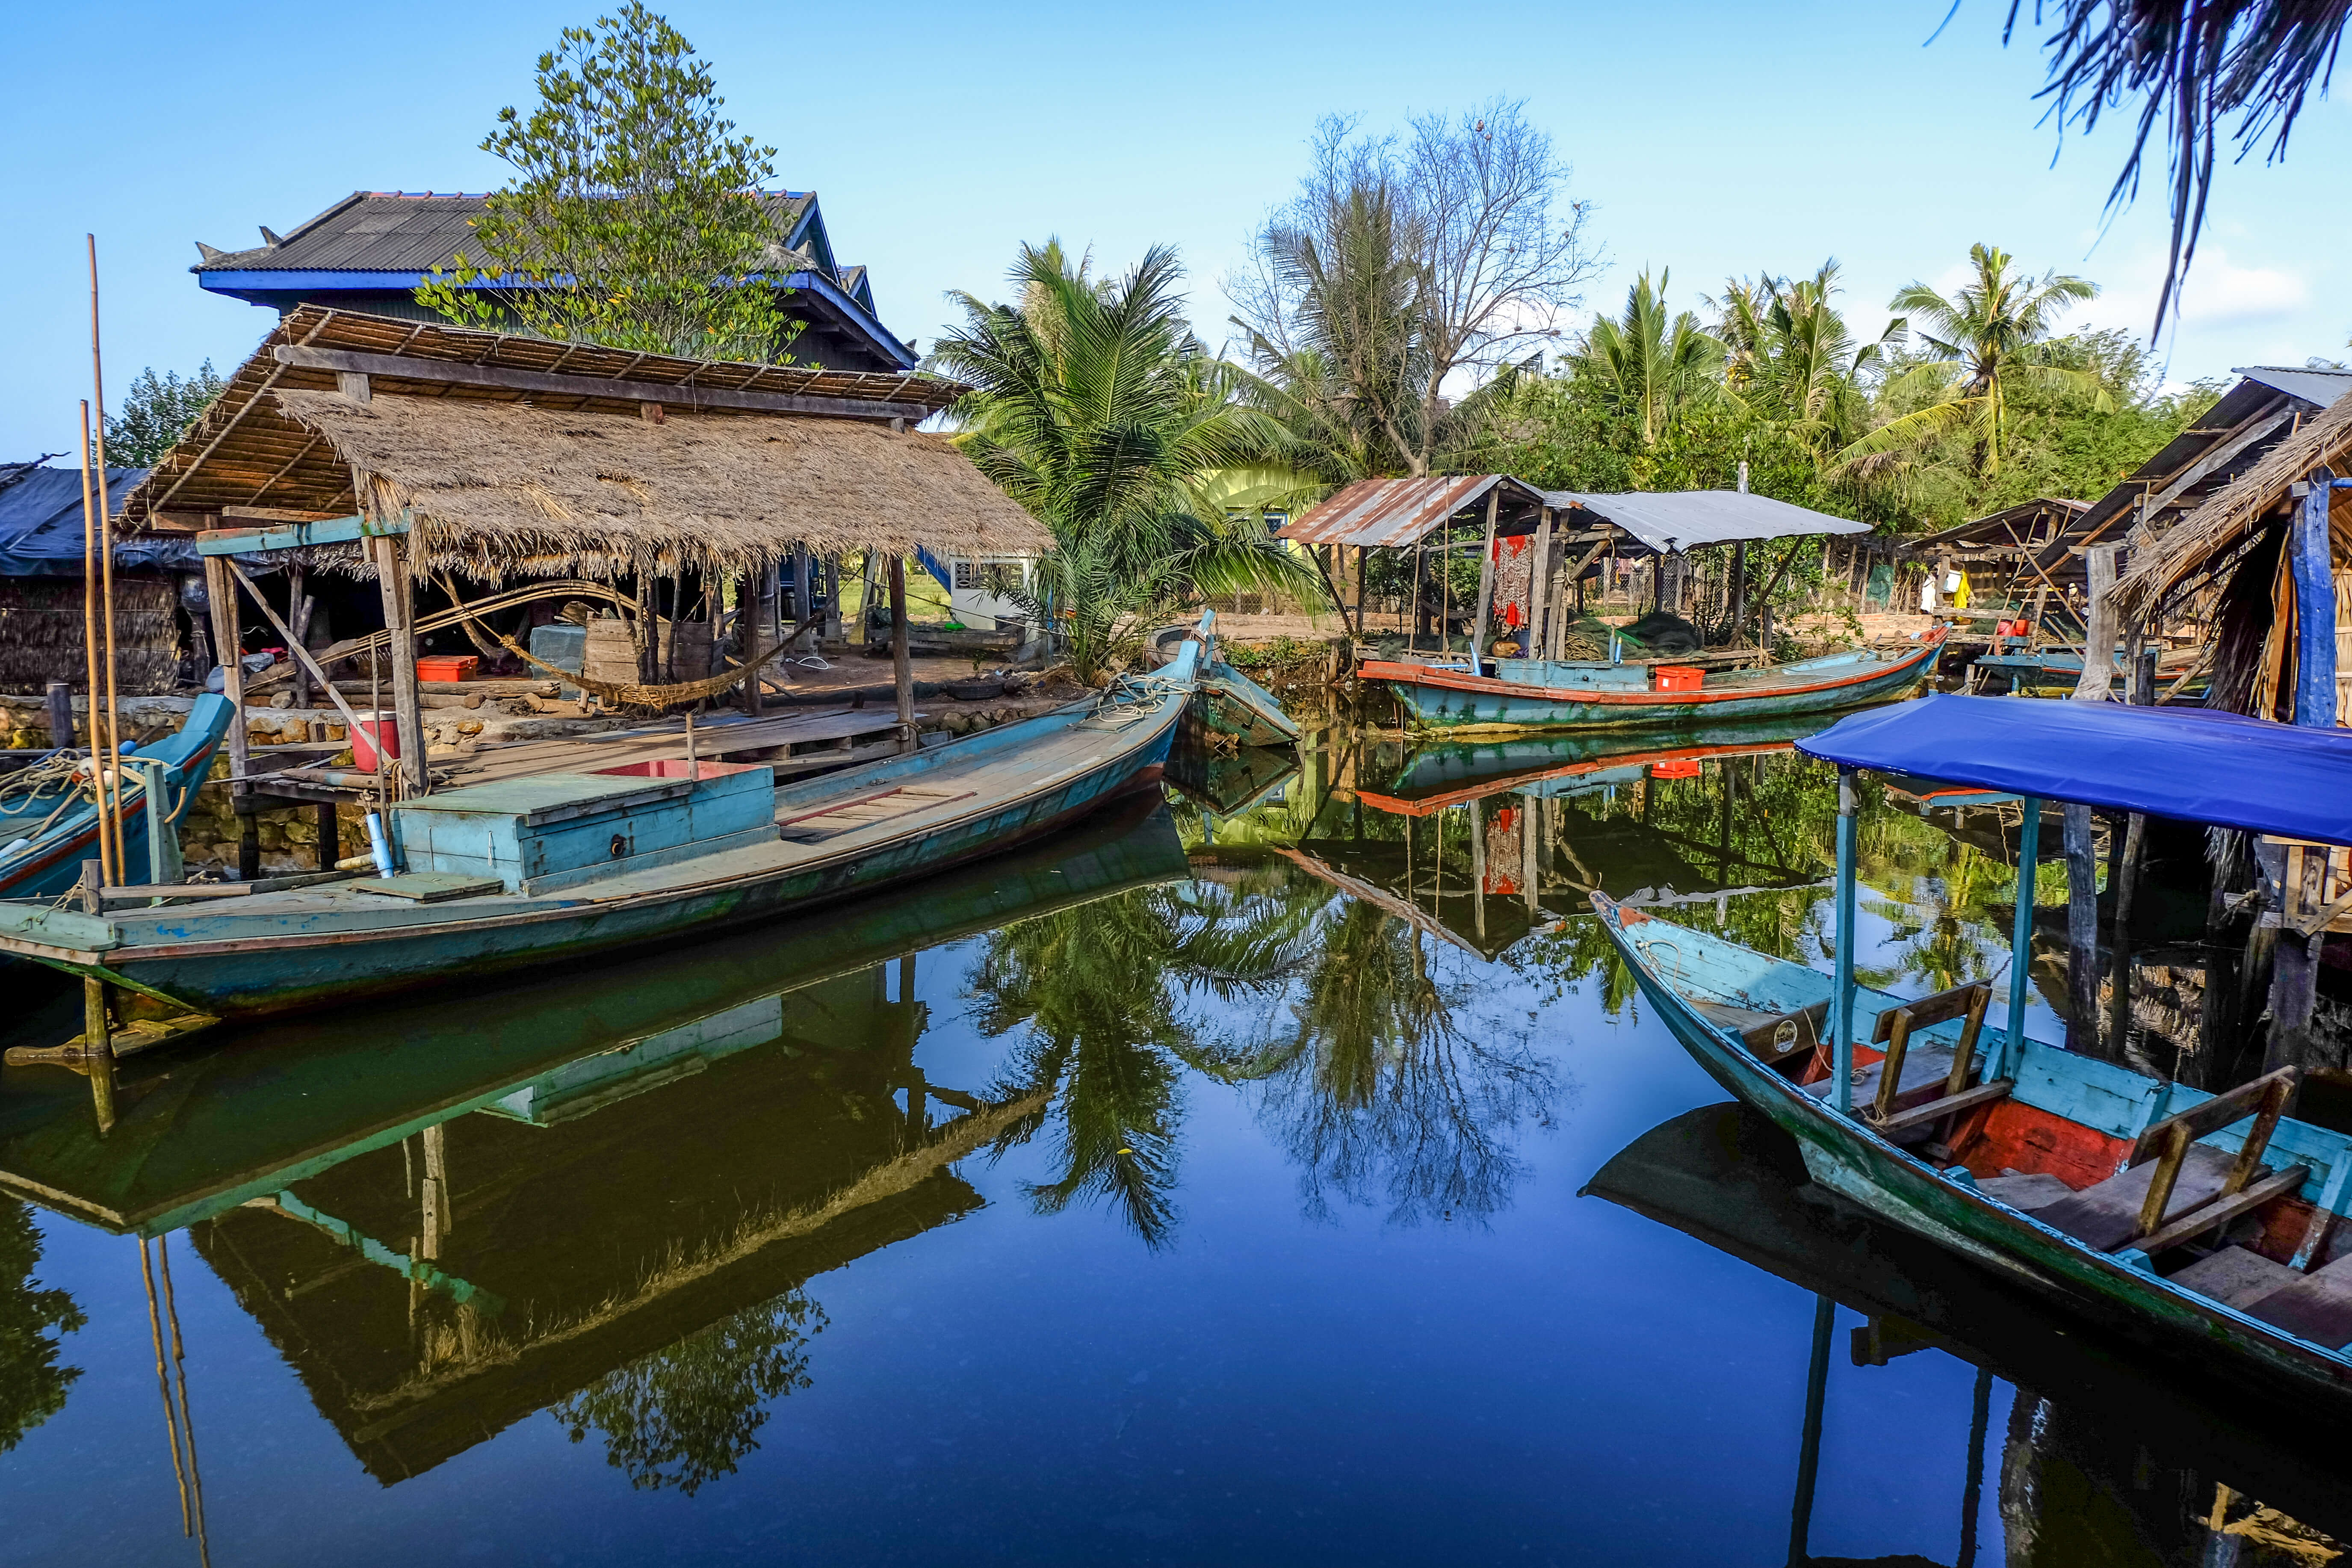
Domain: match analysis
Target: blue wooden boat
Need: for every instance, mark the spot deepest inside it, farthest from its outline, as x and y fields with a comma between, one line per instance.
x=1543, y=694
x=560, y=866
x=2202, y=1225
x=1229, y=707
x=47, y=833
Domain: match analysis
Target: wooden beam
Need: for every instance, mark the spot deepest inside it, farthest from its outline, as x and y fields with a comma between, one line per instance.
x=220, y=601
x=506, y=378
x=296, y=535
x=902, y=667
x=1485, y=587
x=400, y=624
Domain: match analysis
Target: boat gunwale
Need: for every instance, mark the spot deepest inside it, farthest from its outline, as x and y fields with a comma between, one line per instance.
x=1495, y=686
x=1785, y=1102
x=129, y=954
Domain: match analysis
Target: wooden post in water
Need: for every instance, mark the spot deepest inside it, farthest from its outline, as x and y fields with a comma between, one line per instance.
x=2020, y=938
x=1842, y=1003
x=1485, y=586
x=57, y=699
x=902, y=664
x=97, y=1050
x=2082, y=932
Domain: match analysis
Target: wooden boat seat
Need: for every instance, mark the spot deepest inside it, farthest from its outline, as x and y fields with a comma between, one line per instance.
x=2107, y=1216
x=1775, y=1038
x=2235, y=1275
x=1897, y=1106
x=2316, y=1306
x=2031, y=1193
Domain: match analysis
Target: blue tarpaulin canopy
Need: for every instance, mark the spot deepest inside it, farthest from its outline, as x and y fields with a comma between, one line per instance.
x=2180, y=763
x=40, y=527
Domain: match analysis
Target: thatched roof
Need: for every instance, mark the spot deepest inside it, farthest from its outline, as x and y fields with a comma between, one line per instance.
x=2202, y=540
x=507, y=487
x=521, y=455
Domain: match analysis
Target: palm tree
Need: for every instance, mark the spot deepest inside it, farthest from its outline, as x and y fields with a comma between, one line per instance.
x=1789, y=356
x=1992, y=335
x=1095, y=406
x=1646, y=366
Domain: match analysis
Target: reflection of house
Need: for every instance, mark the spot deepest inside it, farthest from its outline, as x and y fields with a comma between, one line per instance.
x=371, y=250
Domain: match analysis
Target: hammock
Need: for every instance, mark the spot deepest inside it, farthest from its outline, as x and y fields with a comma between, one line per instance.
x=627, y=693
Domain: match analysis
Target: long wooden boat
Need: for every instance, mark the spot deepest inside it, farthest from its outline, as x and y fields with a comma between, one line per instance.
x=1230, y=707
x=505, y=875
x=2199, y=1224
x=1448, y=773
x=45, y=833
x=1542, y=694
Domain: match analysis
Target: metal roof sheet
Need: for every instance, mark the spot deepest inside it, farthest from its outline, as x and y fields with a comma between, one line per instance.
x=2314, y=384
x=1392, y=512
x=1691, y=520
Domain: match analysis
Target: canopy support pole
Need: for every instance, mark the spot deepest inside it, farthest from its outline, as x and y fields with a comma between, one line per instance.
x=1841, y=1008
x=902, y=666
x=2315, y=606
x=1539, y=595
x=2021, y=940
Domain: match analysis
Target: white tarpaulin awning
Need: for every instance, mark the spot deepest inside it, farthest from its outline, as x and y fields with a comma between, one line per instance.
x=1668, y=521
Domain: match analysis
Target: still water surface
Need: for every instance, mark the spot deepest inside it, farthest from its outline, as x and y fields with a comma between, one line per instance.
x=1209, y=1185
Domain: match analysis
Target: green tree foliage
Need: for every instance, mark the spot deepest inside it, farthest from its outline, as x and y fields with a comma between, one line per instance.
x=636, y=218
x=1985, y=343
x=32, y=1385
x=1095, y=406
x=156, y=413
x=1647, y=366
x=684, y=1416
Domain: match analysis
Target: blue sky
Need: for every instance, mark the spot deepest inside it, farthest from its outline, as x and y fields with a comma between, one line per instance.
x=1711, y=138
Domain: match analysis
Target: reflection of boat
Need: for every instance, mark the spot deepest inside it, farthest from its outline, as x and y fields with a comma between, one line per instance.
x=1725, y=1174
x=1535, y=694
x=202, y=1129
x=2200, y=1224
x=663, y=1146
x=1231, y=782
x=47, y=829
x=1448, y=773
x=517, y=873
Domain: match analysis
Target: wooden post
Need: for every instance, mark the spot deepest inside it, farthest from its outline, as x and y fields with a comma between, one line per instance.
x=2099, y=638
x=902, y=665
x=2314, y=607
x=2082, y=932
x=97, y=1050
x=1738, y=598
x=747, y=640
x=331, y=832
x=400, y=623
x=220, y=605
x=1539, y=595
x=57, y=697
x=297, y=622
x=2294, y=989
x=1485, y=586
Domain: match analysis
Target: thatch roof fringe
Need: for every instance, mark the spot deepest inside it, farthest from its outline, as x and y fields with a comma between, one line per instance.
x=2199, y=540
x=510, y=489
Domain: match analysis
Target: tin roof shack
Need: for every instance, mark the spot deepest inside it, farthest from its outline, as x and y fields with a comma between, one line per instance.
x=419, y=454
x=1539, y=547
x=41, y=588
x=371, y=250
x=2268, y=566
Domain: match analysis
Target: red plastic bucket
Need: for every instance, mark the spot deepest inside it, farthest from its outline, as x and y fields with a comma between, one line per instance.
x=378, y=729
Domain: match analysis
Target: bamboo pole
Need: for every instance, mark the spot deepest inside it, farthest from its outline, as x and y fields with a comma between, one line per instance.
x=89, y=614
x=105, y=563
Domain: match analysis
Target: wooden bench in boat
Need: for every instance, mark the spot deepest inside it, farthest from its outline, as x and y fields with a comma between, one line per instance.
x=1775, y=1038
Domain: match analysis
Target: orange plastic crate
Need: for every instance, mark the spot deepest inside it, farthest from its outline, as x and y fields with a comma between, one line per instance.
x=447, y=666
x=1677, y=677
x=1676, y=768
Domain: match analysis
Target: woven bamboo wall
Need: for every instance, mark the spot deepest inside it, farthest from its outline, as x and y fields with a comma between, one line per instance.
x=41, y=635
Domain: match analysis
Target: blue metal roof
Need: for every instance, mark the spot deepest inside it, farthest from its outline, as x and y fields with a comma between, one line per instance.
x=40, y=528
x=2182, y=762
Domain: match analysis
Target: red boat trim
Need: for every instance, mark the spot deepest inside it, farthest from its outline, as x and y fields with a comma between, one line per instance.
x=1454, y=680
x=1431, y=804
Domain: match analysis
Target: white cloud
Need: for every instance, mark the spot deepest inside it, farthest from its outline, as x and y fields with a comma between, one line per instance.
x=2219, y=293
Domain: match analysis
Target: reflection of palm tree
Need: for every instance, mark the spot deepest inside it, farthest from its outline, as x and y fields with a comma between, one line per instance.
x=684, y=1415
x=1100, y=989
x=32, y=1385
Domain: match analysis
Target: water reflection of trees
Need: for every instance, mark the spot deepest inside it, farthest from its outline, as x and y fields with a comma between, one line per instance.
x=32, y=1385
x=686, y=1413
x=1382, y=1099
x=1265, y=977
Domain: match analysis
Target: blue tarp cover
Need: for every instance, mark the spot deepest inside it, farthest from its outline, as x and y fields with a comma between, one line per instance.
x=40, y=528
x=2182, y=762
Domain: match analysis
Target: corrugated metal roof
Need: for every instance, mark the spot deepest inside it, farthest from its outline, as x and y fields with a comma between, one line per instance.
x=1691, y=520
x=2312, y=383
x=1392, y=513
